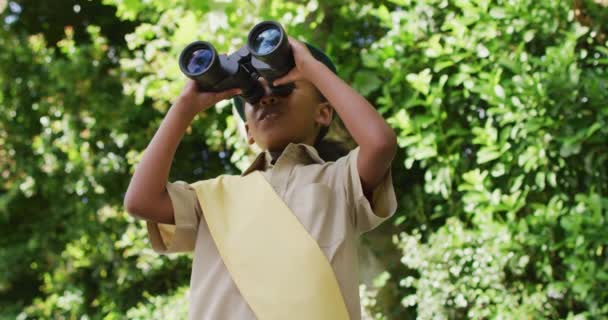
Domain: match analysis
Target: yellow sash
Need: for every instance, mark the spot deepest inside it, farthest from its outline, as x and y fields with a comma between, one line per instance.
x=276, y=264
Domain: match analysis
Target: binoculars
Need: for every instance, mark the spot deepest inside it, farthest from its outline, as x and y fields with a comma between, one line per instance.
x=267, y=54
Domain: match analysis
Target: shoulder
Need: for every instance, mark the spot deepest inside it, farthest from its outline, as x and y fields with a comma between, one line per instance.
x=331, y=173
x=344, y=161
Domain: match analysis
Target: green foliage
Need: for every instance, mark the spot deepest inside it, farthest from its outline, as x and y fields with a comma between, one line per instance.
x=162, y=307
x=500, y=109
x=503, y=111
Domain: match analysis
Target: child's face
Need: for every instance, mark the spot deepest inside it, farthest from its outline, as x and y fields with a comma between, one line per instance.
x=276, y=121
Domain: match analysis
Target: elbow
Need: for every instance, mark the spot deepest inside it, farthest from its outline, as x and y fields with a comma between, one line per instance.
x=131, y=206
x=387, y=144
x=383, y=145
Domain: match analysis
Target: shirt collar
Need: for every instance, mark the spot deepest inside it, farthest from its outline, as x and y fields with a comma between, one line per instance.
x=299, y=153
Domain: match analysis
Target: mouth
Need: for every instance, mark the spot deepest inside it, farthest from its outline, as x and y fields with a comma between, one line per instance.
x=269, y=114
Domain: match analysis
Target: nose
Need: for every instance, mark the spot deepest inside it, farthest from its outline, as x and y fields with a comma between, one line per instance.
x=268, y=100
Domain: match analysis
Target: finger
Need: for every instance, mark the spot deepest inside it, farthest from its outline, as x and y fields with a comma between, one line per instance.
x=189, y=85
x=291, y=76
x=215, y=97
x=227, y=94
x=292, y=41
x=296, y=43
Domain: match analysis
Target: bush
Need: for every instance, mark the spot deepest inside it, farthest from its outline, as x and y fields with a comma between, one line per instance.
x=500, y=109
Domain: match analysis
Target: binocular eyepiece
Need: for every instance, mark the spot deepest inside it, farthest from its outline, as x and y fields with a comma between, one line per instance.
x=267, y=54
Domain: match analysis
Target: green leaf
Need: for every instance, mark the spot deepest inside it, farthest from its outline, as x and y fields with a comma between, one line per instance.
x=424, y=152
x=421, y=81
x=498, y=13
x=366, y=82
x=499, y=91
x=540, y=180
x=487, y=154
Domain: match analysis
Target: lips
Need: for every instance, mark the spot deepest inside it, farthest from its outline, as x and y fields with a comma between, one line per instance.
x=268, y=112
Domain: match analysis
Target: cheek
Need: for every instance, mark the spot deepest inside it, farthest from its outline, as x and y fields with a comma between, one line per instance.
x=302, y=108
x=301, y=102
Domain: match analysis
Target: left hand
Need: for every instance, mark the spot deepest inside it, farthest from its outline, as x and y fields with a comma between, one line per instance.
x=302, y=58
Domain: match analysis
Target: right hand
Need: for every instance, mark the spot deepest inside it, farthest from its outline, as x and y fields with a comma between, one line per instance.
x=195, y=101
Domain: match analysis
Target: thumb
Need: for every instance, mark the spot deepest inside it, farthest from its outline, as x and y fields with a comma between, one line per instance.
x=219, y=96
x=291, y=76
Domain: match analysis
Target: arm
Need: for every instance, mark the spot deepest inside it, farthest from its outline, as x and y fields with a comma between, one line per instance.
x=146, y=197
x=377, y=141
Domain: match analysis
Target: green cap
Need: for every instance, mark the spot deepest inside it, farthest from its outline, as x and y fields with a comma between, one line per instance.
x=316, y=53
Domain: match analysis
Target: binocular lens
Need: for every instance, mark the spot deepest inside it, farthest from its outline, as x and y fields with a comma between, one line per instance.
x=266, y=40
x=267, y=54
x=200, y=60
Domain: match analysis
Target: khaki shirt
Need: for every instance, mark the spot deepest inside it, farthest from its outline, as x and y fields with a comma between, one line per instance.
x=326, y=197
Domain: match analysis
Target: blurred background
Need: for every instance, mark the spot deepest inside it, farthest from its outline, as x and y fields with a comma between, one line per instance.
x=501, y=111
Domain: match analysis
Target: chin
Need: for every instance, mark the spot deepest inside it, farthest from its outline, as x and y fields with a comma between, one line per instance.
x=276, y=145
x=275, y=142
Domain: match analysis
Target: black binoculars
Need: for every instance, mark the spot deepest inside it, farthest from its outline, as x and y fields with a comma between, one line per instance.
x=267, y=54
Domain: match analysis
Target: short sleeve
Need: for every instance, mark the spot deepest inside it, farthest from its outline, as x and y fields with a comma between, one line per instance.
x=181, y=237
x=365, y=216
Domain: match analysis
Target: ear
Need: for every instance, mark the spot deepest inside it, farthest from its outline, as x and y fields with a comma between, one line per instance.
x=324, y=114
x=249, y=135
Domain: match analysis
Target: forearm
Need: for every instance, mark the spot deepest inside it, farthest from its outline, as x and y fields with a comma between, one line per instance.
x=152, y=173
x=376, y=139
x=362, y=121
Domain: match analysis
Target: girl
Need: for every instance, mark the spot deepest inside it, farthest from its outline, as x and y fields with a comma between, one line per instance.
x=278, y=241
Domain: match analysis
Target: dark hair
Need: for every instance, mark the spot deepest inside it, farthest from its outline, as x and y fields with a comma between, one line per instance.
x=333, y=141
x=330, y=150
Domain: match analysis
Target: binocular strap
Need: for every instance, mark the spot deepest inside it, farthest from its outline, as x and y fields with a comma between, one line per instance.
x=276, y=264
